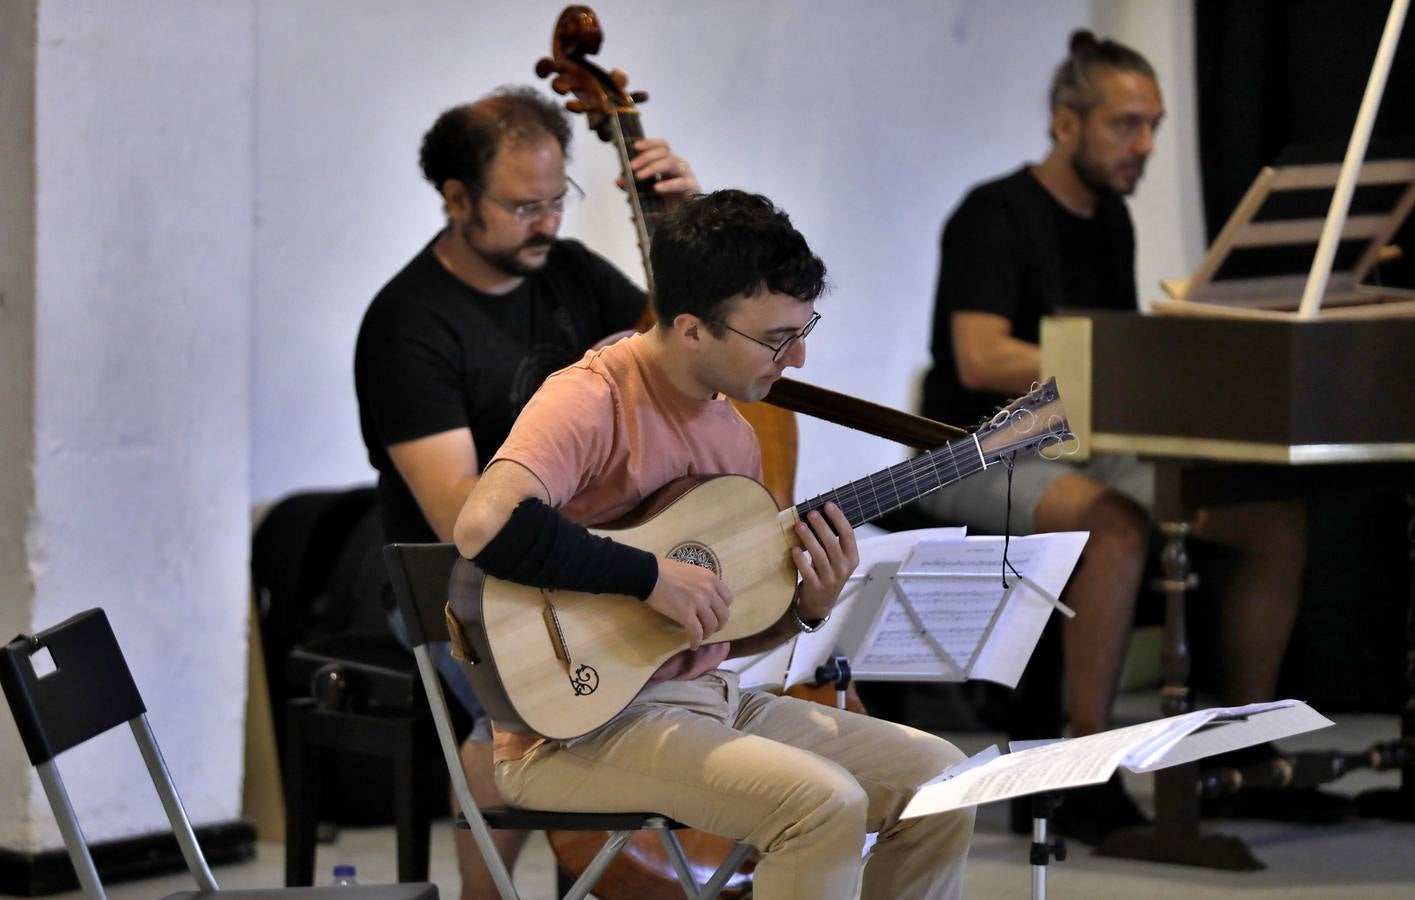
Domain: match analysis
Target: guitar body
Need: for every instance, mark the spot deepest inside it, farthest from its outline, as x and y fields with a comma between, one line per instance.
x=563, y=663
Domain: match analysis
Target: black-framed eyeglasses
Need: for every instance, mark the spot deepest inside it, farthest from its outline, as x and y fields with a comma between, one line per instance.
x=777, y=349
x=535, y=209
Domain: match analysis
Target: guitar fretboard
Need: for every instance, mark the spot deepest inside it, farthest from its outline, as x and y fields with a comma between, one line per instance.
x=899, y=485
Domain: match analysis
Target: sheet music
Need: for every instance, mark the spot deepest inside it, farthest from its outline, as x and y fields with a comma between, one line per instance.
x=815, y=648
x=1094, y=758
x=1258, y=723
x=1019, y=627
x=974, y=629
x=947, y=616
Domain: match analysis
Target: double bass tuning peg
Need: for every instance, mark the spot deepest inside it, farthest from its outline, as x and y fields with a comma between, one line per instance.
x=639, y=96
x=544, y=66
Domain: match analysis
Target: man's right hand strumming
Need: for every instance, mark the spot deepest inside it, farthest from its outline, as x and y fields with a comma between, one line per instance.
x=693, y=597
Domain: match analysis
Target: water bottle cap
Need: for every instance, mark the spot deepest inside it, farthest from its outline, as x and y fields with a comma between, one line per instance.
x=344, y=871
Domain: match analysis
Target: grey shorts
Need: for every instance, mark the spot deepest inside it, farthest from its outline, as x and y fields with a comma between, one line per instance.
x=980, y=501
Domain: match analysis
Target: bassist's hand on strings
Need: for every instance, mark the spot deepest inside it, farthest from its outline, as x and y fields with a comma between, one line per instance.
x=693, y=597
x=825, y=560
x=672, y=178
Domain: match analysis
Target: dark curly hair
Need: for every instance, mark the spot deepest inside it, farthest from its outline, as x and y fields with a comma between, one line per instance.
x=1072, y=84
x=464, y=140
x=727, y=244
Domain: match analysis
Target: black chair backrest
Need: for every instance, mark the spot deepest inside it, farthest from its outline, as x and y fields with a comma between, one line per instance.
x=420, y=573
x=89, y=691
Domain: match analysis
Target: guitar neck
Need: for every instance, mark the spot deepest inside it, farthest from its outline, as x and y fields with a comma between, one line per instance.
x=885, y=491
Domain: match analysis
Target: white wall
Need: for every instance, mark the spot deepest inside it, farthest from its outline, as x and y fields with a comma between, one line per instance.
x=143, y=271
x=221, y=186
x=1168, y=209
x=17, y=51
x=865, y=121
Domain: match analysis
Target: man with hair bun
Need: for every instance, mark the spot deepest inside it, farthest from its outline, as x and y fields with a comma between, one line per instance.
x=456, y=343
x=1052, y=235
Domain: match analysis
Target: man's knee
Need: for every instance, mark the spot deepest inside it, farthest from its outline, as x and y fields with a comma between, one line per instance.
x=1282, y=530
x=1270, y=531
x=1118, y=526
x=930, y=756
x=824, y=800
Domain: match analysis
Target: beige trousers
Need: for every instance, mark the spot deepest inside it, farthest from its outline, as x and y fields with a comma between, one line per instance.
x=799, y=781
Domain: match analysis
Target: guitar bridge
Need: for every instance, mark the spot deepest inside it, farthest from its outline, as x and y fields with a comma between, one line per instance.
x=557, y=635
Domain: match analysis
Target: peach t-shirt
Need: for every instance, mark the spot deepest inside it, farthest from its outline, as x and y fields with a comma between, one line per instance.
x=604, y=434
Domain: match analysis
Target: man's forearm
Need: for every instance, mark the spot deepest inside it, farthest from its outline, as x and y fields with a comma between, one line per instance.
x=1009, y=366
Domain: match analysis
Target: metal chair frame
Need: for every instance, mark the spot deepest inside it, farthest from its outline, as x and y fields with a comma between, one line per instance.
x=90, y=692
x=420, y=574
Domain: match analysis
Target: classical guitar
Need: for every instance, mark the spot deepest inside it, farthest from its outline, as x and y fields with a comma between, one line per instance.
x=560, y=663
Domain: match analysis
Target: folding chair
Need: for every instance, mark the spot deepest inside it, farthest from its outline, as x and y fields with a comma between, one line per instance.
x=420, y=573
x=89, y=692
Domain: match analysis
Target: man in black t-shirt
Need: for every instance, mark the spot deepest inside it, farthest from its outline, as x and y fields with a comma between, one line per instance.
x=1052, y=235
x=457, y=342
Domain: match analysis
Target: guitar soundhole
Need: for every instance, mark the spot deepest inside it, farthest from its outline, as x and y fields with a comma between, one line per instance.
x=695, y=554
x=585, y=681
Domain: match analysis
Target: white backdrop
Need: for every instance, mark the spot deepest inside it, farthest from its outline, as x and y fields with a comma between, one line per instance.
x=218, y=187
x=866, y=122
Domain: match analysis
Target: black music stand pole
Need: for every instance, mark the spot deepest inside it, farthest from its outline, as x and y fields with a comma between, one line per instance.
x=835, y=670
x=1042, y=849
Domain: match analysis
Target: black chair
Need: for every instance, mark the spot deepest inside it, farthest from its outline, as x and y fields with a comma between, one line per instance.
x=420, y=575
x=350, y=721
x=89, y=692
x=362, y=700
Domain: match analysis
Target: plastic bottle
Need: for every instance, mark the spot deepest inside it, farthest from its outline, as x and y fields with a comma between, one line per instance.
x=344, y=875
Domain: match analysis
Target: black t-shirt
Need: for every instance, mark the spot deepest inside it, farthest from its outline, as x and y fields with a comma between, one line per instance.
x=434, y=354
x=1011, y=249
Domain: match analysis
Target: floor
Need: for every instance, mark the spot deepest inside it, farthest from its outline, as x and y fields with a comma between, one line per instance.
x=1356, y=859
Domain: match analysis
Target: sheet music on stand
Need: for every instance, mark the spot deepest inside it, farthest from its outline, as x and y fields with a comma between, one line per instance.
x=1147, y=747
x=929, y=605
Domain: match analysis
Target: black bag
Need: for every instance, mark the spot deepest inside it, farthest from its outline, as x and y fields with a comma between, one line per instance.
x=323, y=595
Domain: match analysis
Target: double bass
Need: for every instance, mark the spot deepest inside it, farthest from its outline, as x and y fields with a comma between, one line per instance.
x=642, y=868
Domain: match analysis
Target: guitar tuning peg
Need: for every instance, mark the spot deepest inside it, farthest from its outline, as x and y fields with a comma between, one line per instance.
x=639, y=96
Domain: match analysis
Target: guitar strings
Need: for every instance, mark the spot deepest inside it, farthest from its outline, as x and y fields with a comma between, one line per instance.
x=899, y=484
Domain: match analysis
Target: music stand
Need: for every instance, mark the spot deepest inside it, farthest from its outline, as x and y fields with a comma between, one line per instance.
x=931, y=605
x=1303, y=297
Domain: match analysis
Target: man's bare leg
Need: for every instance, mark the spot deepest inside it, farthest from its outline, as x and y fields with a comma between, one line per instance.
x=1260, y=601
x=476, y=878
x=1102, y=590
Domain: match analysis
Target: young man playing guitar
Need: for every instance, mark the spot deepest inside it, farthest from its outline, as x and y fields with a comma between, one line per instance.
x=736, y=286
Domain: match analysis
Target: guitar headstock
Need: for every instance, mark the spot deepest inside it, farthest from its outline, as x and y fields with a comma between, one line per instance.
x=598, y=94
x=1036, y=421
